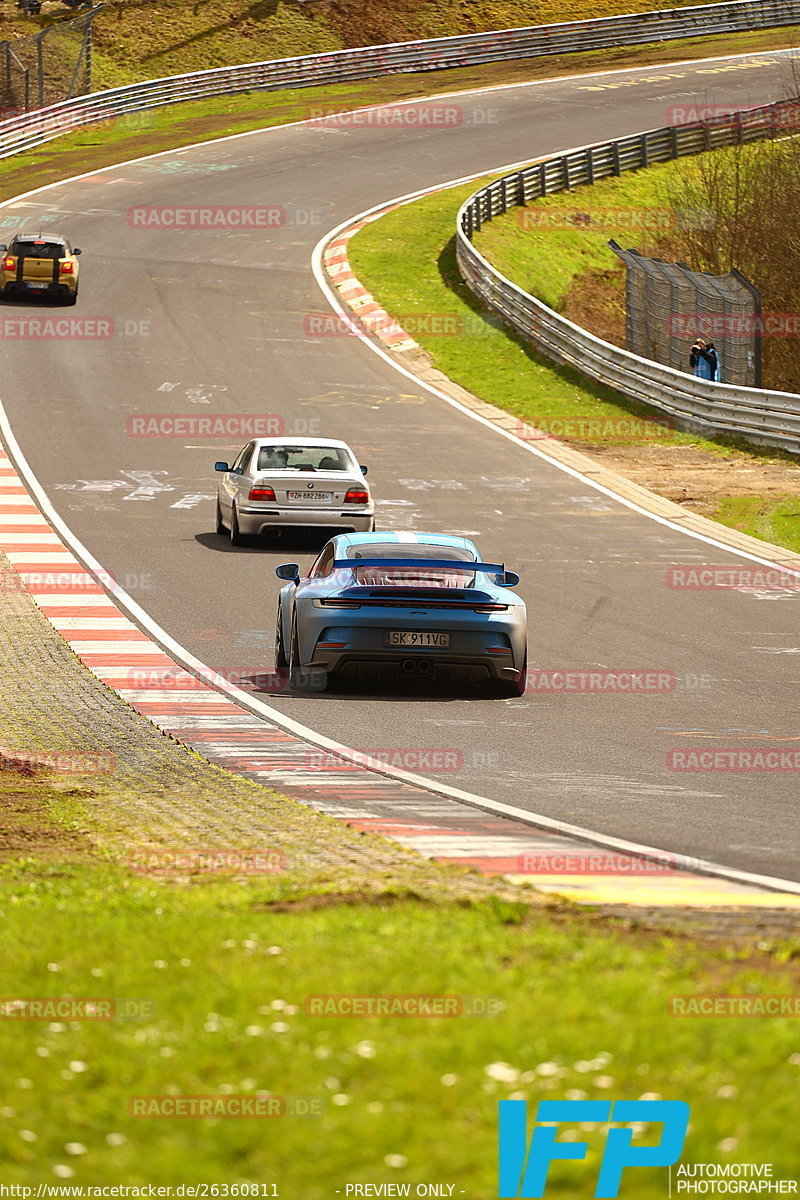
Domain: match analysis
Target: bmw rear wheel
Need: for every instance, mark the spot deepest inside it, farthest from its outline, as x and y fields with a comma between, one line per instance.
x=236, y=535
x=219, y=527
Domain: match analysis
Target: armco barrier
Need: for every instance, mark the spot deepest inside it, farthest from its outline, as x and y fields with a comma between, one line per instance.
x=763, y=417
x=31, y=129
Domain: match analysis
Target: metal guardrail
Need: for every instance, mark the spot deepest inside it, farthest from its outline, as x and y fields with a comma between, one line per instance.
x=765, y=417
x=22, y=133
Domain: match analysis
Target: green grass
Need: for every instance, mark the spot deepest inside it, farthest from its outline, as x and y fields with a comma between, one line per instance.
x=407, y=260
x=775, y=521
x=585, y=995
x=543, y=250
x=162, y=37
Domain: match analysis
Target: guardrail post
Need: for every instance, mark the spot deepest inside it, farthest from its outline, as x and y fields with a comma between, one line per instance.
x=673, y=142
x=644, y=150
x=615, y=157
x=40, y=67
x=590, y=165
x=565, y=173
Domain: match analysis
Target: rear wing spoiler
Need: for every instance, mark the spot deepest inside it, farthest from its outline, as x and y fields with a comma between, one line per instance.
x=436, y=564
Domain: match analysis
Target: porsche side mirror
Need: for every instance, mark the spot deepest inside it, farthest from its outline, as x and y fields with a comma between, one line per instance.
x=290, y=571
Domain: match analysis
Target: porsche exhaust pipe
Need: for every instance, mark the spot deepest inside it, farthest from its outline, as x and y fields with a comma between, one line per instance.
x=416, y=666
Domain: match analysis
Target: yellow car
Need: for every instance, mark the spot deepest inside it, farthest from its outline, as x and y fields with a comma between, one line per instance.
x=40, y=263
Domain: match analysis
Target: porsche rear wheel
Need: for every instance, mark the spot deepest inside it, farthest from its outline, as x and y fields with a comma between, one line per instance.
x=300, y=680
x=281, y=661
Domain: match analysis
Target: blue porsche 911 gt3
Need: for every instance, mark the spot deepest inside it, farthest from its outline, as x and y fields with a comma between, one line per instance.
x=417, y=604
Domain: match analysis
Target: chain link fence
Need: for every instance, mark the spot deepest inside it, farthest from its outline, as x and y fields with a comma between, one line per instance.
x=47, y=67
x=668, y=305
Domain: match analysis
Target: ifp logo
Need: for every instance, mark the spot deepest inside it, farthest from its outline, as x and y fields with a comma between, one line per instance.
x=523, y=1169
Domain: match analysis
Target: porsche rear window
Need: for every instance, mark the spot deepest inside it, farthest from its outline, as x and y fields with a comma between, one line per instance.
x=40, y=249
x=417, y=577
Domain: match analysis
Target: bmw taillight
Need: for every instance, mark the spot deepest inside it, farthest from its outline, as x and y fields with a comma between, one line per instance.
x=261, y=493
x=9, y=263
x=67, y=268
x=356, y=496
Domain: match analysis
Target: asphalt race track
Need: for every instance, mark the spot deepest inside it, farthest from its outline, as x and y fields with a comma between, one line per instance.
x=213, y=323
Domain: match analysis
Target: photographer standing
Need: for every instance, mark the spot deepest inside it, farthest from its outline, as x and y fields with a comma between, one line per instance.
x=704, y=360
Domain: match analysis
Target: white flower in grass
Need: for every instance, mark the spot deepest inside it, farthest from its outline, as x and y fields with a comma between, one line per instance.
x=518, y=1095
x=28, y=1135
x=186, y=962
x=794, y=1059
x=24, y=1083
x=160, y=964
x=728, y=1145
x=56, y=1027
x=226, y=1089
x=116, y=1139
x=322, y=1052
x=727, y=1092
x=97, y=972
x=228, y=944
x=274, y=950
x=365, y=1050
x=290, y=1010
x=42, y=1052
x=604, y=1081
x=249, y=944
x=398, y=1161
x=78, y=1067
x=54, y=966
x=278, y=1005
x=569, y=1135
x=340, y=1099
x=63, y=1171
x=576, y=1094
x=167, y=1052
x=603, y=1058
x=650, y=1096
x=279, y=1027
x=332, y=1083
x=374, y=1106
x=6, y=1111
x=75, y=1148
x=67, y=1075
x=503, y=1072
x=448, y=1080
x=582, y=1066
x=254, y=1030
x=546, y=1069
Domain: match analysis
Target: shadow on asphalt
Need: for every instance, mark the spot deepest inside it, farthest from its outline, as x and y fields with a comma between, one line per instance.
x=288, y=543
